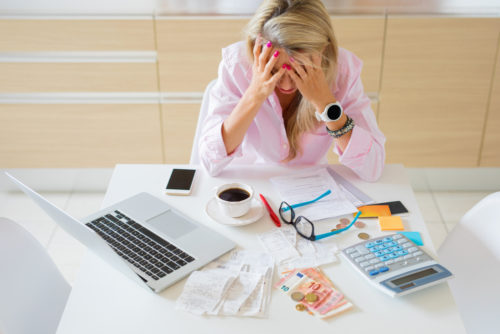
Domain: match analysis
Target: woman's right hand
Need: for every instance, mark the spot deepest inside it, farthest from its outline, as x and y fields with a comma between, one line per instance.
x=263, y=80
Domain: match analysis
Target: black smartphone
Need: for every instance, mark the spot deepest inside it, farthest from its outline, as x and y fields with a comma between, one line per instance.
x=396, y=207
x=180, y=181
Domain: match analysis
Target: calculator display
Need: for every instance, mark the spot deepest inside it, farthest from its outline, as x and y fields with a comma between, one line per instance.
x=414, y=276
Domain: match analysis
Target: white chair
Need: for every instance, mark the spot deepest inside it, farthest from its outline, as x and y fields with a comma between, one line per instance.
x=195, y=159
x=33, y=293
x=472, y=253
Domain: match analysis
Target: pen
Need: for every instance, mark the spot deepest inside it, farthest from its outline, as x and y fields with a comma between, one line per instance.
x=271, y=213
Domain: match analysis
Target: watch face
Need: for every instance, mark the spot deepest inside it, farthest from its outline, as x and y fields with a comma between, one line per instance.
x=334, y=112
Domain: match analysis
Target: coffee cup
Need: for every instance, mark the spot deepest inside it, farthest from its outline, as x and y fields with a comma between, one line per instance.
x=234, y=199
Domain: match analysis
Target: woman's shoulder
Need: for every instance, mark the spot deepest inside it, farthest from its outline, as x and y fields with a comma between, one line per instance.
x=348, y=63
x=235, y=54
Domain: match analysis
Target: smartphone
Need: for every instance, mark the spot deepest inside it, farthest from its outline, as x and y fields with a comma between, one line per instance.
x=180, y=181
x=396, y=207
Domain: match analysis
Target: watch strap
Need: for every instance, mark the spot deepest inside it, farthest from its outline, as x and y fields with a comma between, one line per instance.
x=348, y=126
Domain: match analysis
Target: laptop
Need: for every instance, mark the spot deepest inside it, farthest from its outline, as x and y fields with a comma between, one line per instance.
x=142, y=237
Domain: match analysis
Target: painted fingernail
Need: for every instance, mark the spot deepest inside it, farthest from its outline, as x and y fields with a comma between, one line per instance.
x=291, y=59
x=284, y=66
x=276, y=54
x=269, y=44
x=288, y=67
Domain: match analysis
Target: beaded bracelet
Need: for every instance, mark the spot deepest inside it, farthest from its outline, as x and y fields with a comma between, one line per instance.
x=349, y=124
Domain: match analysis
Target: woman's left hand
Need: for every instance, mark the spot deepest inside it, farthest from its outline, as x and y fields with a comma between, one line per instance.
x=311, y=82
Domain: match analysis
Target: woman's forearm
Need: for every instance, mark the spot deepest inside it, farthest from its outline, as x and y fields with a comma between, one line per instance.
x=236, y=125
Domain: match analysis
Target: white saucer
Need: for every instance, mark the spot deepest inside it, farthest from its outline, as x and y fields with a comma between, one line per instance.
x=255, y=213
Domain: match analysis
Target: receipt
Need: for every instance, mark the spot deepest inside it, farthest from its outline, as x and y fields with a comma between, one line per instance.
x=203, y=291
x=236, y=284
x=276, y=243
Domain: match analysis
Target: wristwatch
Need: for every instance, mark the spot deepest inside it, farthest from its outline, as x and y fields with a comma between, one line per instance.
x=332, y=112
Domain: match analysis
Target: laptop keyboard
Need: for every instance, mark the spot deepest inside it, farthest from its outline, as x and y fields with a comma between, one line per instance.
x=144, y=249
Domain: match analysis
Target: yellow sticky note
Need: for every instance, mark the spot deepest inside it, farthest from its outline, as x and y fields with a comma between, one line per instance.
x=390, y=223
x=370, y=211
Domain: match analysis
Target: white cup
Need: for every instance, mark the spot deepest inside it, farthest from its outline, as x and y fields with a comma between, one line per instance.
x=231, y=206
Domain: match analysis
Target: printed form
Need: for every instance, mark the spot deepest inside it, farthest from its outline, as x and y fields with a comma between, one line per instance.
x=309, y=185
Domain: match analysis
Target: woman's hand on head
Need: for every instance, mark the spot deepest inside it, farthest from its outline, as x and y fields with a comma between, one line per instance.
x=263, y=80
x=311, y=82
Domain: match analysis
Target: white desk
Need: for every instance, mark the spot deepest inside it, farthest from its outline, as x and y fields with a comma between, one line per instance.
x=103, y=301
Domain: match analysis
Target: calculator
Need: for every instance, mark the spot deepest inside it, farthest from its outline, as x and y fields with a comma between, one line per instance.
x=395, y=264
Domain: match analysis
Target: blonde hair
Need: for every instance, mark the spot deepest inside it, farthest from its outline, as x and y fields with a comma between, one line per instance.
x=301, y=28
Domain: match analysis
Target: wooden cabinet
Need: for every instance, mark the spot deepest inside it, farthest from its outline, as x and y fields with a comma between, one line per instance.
x=189, y=50
x=76, y=35
x=78, y=135
x=179, y=122
x=364, y=36
x=435, y=87
x=77, y=77
x=490, y=153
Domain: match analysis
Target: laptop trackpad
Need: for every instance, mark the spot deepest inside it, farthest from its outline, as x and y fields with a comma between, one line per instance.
x=171, y=224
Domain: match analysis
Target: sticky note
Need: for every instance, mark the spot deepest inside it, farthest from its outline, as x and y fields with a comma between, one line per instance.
x=371, y=211
x=413, y=236
x=390, y=223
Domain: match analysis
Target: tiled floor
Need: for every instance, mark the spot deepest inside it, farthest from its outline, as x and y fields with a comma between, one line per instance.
x=441, y=211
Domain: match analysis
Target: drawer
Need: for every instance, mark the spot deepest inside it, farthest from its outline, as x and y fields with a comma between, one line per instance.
x=78, y=77
x=78, y=136
x=76, y=35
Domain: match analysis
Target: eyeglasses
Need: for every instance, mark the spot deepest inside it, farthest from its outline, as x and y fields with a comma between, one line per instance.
x=303, y=226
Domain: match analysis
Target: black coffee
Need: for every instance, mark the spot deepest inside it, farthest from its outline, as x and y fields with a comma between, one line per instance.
x=234, y=195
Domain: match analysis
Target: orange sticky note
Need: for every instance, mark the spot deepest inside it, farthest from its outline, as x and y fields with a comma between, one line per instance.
x=371, y=211
x=391, y=223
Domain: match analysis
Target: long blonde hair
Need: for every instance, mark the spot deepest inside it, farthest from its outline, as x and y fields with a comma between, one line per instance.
x=301, y=28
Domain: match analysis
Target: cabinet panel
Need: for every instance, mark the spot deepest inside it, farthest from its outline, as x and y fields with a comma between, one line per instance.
x=435, y=86
x=77, y=77
x=179, y=126
x=189, y=50
x=78, y=136
x=76, y=35
x=364, y=36
x=491, y=145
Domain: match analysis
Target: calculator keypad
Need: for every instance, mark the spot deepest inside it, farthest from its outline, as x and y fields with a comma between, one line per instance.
x=384, y=254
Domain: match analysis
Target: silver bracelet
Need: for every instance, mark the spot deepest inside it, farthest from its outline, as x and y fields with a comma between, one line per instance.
x=349, y=124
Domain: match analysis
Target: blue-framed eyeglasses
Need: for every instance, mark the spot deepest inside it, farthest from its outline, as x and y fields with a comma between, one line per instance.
x=303, y=226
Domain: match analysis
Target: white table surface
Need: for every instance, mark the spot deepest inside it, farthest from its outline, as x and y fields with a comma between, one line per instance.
x=104, y=301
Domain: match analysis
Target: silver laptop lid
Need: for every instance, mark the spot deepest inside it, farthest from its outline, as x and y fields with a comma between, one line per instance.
x=80, y=232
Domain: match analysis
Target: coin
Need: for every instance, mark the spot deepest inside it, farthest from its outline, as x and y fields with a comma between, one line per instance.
x=338, y=226
x=345, y=221
x=300, y=307
x=364, y=236
x=297, y=296
x=333, y=230
x=359, y=224
x=311, y=297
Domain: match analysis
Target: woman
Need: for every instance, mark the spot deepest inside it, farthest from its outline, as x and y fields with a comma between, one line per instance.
x=288, y=94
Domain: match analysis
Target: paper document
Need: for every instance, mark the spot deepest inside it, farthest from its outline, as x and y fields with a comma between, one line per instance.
x=353, y=194
x=237, y=284
x=291, y=251
x=308, y=185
